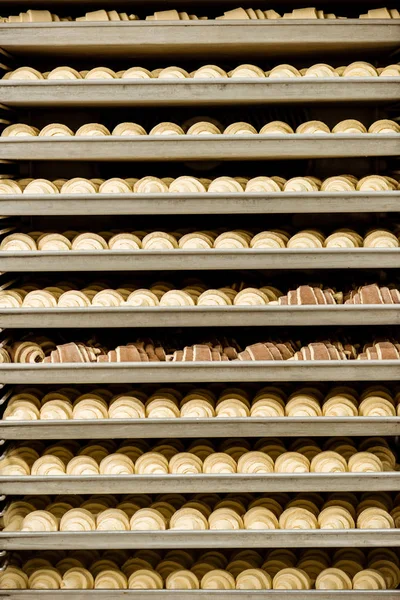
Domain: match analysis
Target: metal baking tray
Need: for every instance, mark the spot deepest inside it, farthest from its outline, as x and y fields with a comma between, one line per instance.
x=201, y=38
x=132, y=540
x=196, y=204
x=205, y=147
x=193, y=428
x=200, y=260
x=197, y=92
x=188, y=484
x=200, y=594
x=199, y=316
x=201, y=372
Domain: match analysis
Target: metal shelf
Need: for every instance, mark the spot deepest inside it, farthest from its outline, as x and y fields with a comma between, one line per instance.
x=196, y=204
x=132, y=540
x=201, y=38
x=205, y=147
x=200, y=260
x=231, y=316
x=188, y=484
x=201, y=372
x=196, y=92
x=200, y=594
x=199, y=428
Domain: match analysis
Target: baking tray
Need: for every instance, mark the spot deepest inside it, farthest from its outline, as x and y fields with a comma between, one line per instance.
x=200, y=260
x=199, y=316
x=205, y=147
x=196, y=204
x=197, y=92
x=199, y=428
x=132, y=540
x=200, y=594
x=197, y=39
x=201, y=372
x=188, y=484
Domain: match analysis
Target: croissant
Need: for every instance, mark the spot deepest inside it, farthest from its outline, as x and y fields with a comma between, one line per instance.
x=18, y=242
x=255, y=462
x=335, y=517
x=79, y=185
x=321, y=70
x=167, y=129
x=152, y=463
x=77, y=519
x=374, y=518
x=92, y=130
x=115, y=186
x=186, y=185
x=369, y=579
x=159, y=240
x=39, y=520
x=66, y=73
x=47, y=578
x=267, y=408
x=364, y=462
x=284, y=71
x=197, y=409
x=217, y=579
x=136, y=73
x=145, y=579
x=185, y=463
x=360, y=69
x=225, y=519
x=100, y=73
x=48, y=465
x=124, y=129
x=291, y=579
x=90, y=408
x=24, y=73
x=300, y=184
x=339, y=406
x=313, y=127
x=219, y=462
x=260, y=517
x=77, y=578
x=142, y=297
x=112, y=519
x=380, y=238
x=182, y=580
x=224, y=185
x=117, y=464
x=301, y=405
x=389, y=570
x=328, y=462
x=333, y=579
x=89, y=242
x=14, y=466
x=111, y=580
x=83, y=465
x=126, y=407
x=240, y=128
x=337, y=184
x=297, y=518
x=56, y=130
x=276, y=127
x=148, y=519
x=209, y=72
x=349, y=126
x=13, y=578
x=189, y=519
x=292, y=462
x=247, y=71
x=20, y=130
x=384, y=126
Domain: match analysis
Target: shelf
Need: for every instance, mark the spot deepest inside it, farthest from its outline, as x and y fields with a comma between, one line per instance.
x=221, y=316
x=201, y=372
x=200, y=260
x=200, y=594
x=196, y=204
x=188, y=484
x=205, y=147
x=132, y=540
x=199, y=428
x=197, y=92
x=201, y=38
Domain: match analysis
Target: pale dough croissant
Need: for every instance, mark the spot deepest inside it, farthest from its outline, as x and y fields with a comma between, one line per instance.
x=40, y=520
x=126, y=407
x=117, y=464
x=335, y=517
x=219, y=462
x=111, y=580
x=148, y=519
x=297, y=518
x=20, y=130
x=364, y=462
x=292, y=462
x=13, y=578
x=260, y=517
x=189, y=519
x=328, y=462
x=47, y=578
x=182, y=580
x=225, y=519
x=217, y=579
x=145, y=579
x=77, y=578
x=112, y=519
x=255, y=462
x=291, y=579
x=115, y=186
x=152, y=463
x=77, y=519
x=369, y=579
x=375, y=518
x=333, y=579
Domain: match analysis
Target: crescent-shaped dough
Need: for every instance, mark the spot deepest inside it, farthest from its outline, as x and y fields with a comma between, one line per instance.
x=25, y=74
x=203, y=128
x=79, y=185
x=8, y=186
x=283, y=72
x=197, y=409
x=267, y=408
x=90, y=408
x=374, y=406
x=115, y=185
x=182, y=580
x=145, y=579
x=364, y=462
x=47, y=578
x=40, y=520
x=225, y=519
x=167, y=128
x=225, y=185
x=389, y=71
x=300, y=184
x=276, y=127
x=56, y=130
x=292, y=462
x=159, y=240
x=313, y=128
x=20, y=130
x=152, y=463
x=240, y=128
x=297, y=518
x=173, y=73
x=335, y=517
x=117, y=464
x=142, y=298
x=89, y=242
x=188, y=519
x=126, y=407
x=176, y=298
x=18, y=242
x=73, y=299
x=260, y=517
x=209, y=72
x=389, y=570
x=217, y=579
x=41, y=186
x=186, y=185
x=185, y=463
x=82, y=465
x=302, y=405
x=381, y=238
x=13, y=578
x=291, y=579
x=328, y=462
x=262, y=184
x=247, y=71
x=306, y=239
x=339, y=183
x=321, y=70
x=136, y=73
x=66, y=73
x=219, y=463
x=48, y=465
x=148, y=519
x=374, y=518
x=253, y=579
x=339, y=406
x=349, y=126
x=333, y=579
x=112, y=519
x=150, y=185
x=111, y=580
x=92, y=130
x=101, y=73
x=77, y=519
x=77, y=578
x=255, y=462
x=360, y=69
x=384, y=126
x=131, y=129
x=369, y=579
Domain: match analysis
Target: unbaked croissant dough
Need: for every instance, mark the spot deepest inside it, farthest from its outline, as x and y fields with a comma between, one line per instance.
x=276, y=127
x=375, y=518
x=333, y=579
x=145, y=579
x=13, y=578
x=111, y=580
x=20, y=130
x=217, y=579
x=260, y=517
x=291, y=579
x=40, y=520
x=92, y=130
x=255, y=462
x=189, y=519
x=335, y=517
x=82, y=465
x=313, y=127
x=56, y=130
x=151, y=463
x=253, y=579
x=292, y=462
x=297, y=518
x=328, y=462
x=148, y=519
x=219, y=463
x=368, y=579
x=364, y=462
x=77, y=519
x=47, y=578
x=128, y=129
x=77, y=578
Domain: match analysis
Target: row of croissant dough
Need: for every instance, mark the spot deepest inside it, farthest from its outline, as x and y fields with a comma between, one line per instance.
x=228, y=515
x=170, y=403
x=197, y=240
x=198, y=126
x=279, y=569
x=164, y=294
x=187, y=184
x=45, y=16
x=319, y=70
x=171, y=457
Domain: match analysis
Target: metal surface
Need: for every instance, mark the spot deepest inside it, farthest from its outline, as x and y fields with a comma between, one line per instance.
x=193, y=428
x=208, y=203
x=197, y=92
x=235, y=371
x=131, y=540
x=205, y=147
x=187, y=484
x=199, y=38
x=200, y=316
x=213, y=259
x=200, y=594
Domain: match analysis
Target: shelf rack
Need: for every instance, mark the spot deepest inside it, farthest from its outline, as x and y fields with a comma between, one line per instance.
x=190, y=484
x=196, y=260
x=206, y=147
x=201, y=38
x=202, y=595
x=201, y=372
x=199, y=428
x=196, y=204
x=132, y=540
x=199, y=316
x=197, y=92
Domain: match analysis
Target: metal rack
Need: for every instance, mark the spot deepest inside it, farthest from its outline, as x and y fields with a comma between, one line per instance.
x=202, y=595
x=198, y=204
x=192, y=92
x=193, y=428
x=189, y=484
x=199, y=316
x=206, y=147
x=132, y=540
x=196, y=260
x=235, y=371
x=201, y=38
